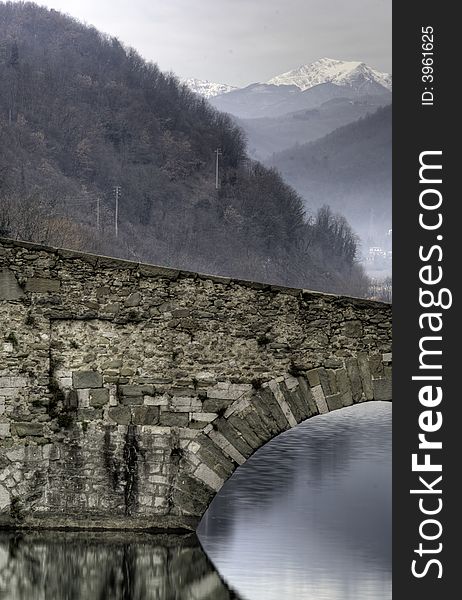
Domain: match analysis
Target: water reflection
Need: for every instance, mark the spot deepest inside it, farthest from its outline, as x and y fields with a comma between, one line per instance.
x=309, y=516
x=98, y=566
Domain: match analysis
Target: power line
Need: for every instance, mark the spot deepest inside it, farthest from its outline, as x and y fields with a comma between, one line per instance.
x=117, y=191
x=219, y=153
x=97, y=214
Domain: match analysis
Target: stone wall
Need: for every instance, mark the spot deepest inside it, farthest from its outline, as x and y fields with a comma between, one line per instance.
x=129, y=393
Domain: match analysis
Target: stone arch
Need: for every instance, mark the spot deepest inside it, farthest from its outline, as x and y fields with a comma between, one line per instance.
x=130, y=392
x=260, y=412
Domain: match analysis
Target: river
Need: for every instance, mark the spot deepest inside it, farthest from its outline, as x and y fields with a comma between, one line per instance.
x=308, y=517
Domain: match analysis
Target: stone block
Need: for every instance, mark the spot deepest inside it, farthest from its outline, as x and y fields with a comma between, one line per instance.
x=333, y=363
x=172, y=419
x=232, y=391
x=5, y=499
x=9, y=287
x=355, y=378
x=382, y=389
x=146, y=415
x=132, y=400
x=13, y=382
x=313, y=377
x=133, y=300
x=209, y=477
x=365, y=375
x=320, y=399
x=181, y=313
x=89, y=414
x=42, y=285
x=10, y=392
x=352, y=329
x=216, y=404
x=4, y=430
x=235, y=438
x=376, y=365
x=99, y=397
x=51, y=452
x=126, y=372
x=307, y=397
x=328, y=381
x=87, y=379
x=17, y=453
x=122, y=415
x=131, y=390
x=83, y=398
x=27, y=429
x=156, y=400
x=334, y=402
x=184, y=404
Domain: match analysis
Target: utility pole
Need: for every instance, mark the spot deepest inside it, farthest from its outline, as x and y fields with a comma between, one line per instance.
x=218, y=152
x=97, y=214
x=116, y=221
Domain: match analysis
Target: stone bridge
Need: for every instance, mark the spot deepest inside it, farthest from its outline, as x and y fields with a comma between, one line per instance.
x=130, y=393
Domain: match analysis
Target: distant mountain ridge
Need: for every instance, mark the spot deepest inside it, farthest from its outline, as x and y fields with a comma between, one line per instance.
x=207, y=89
x=355, y=74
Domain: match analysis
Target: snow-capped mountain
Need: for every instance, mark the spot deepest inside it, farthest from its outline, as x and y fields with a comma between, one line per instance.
x=208, y=89
x=327, y=70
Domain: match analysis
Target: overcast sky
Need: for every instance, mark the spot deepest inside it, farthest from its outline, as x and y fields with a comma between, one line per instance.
x=242, y=41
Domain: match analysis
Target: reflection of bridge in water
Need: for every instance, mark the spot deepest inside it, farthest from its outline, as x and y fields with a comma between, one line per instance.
x=96, y=566
x=131, y=393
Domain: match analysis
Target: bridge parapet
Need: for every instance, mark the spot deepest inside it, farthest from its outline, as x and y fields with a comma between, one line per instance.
x=129, y=393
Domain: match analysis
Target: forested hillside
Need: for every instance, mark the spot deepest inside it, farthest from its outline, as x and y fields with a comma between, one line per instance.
x=81, y=114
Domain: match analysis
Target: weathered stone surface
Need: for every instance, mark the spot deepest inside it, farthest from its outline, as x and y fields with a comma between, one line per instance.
x=334, y=402
x=99, y=397
x=185, y=404
x=13, y=382
x=344, y=387
x=146, y=415
x=9, y=287
x=87, y=379
x=131, y=390
x=28, y=429
x=130, y=393
x=307, y=397
x=313, y=377
x=5, y=499
x=4, y=430
x=382, y=389
x=327, y=381
x=133, y=300
x=42, y=285
x=216, y=404
x=365, y=375
x=120, y=414
x=355, y=378
x=320, y=399
x=171, y=419
x=353, y=329
x=89, y=414
x=376, y=365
